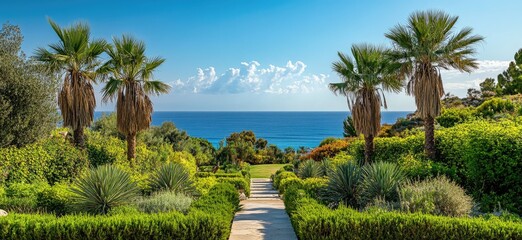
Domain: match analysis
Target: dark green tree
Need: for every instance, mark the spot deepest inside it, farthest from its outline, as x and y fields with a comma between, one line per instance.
x=28, y=108
x=510, y=81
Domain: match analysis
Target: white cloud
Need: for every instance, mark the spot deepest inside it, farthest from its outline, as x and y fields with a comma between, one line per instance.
x=251, y=77
x=458, y=82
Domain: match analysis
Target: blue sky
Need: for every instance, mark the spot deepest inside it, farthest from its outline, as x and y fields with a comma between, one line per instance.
x=264, y=55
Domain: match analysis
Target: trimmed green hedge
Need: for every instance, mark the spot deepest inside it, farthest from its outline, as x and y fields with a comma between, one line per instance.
x=312, y=220
x=210, y=217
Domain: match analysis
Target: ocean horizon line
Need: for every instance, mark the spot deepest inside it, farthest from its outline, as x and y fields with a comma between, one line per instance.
x=268, y=111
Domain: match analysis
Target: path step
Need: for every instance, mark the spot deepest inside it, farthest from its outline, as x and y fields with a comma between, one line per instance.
x=264, y=191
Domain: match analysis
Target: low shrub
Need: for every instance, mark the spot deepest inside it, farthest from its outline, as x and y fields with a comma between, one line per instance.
x=438, y=196
x=315, y=187
x=279, y=177
x=22, y=197
x=290, y=182
x=219, y=175
x=164, y=202
x=495, y=106
x=239, y=183
x=453, y=116
x=203, y=185
x=51, y=160
x=56, y=199
x=209, y=217
x=328, y=150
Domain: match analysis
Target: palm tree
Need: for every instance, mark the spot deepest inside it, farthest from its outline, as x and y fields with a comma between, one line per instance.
x=423, y=47
x=75, y=57
x=364, y=80
x=130, y=80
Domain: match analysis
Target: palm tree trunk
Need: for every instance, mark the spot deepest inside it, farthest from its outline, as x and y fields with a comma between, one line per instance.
x=79, y=139
x=131, y=146
x=368, y=148
x=429, y=137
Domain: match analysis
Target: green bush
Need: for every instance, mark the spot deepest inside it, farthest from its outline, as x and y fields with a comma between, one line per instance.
x=310, y=168
x=315, y=187
x=219, y=175
x=312, y=220
x=438, y=196
x=102, y=189
x=172, y=177
x=51, y=160
x=239, y=183
x=203, y=185
x=21, y=197
x=290, y=182
x=279, y=177
x=56, y=199
x=495, y=106
x=453, y=116
x=210, y=217
x=380, y=180
x=164, y=202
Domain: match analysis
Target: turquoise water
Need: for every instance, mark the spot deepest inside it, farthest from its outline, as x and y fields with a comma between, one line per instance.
x=280, y=128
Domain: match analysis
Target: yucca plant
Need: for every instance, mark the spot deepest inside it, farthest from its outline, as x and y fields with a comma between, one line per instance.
x=172, y=177
x=102, y=189
x=309, y=169
x=381, y=180
x=343, y=184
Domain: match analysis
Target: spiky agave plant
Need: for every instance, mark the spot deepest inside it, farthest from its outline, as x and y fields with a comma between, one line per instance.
x=380, y=180
x=343, y=184
x=102, y=189
x=172, y=177
x=310, y=169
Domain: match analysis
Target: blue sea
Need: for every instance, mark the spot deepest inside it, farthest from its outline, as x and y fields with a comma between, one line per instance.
x=283, y=129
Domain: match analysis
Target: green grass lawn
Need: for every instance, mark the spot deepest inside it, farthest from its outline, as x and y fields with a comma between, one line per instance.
x=264, y=170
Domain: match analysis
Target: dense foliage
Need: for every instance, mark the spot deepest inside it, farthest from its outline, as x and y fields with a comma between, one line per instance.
x=50, y=160
x=27, y=94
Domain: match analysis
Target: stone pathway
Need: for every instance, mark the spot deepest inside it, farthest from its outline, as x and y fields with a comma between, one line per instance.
x=263, y=215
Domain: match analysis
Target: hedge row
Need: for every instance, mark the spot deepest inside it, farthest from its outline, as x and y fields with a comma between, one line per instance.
x=210, y=217
x=312, y=220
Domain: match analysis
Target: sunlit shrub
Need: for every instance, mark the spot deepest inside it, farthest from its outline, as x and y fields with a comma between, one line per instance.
x=439, y=196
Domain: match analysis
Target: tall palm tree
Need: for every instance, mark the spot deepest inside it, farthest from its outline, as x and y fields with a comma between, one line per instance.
x=75, y=57
x=424, y=46
x=129, y=75
x=364, y=80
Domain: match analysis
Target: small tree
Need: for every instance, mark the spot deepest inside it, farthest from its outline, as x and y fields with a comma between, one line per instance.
x=27, y=93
